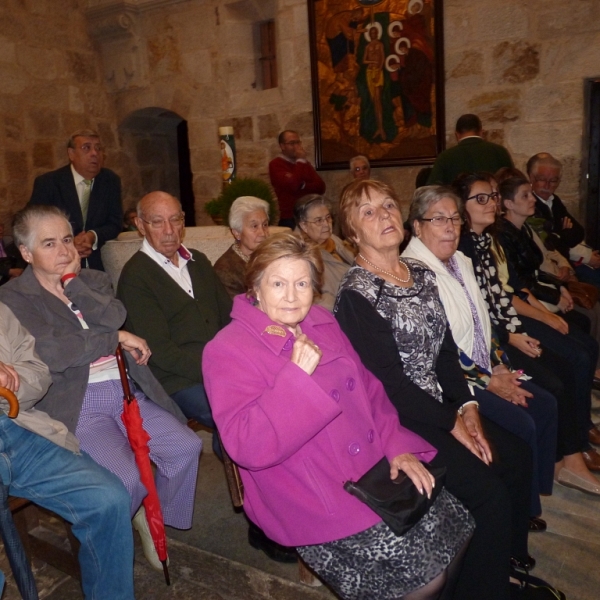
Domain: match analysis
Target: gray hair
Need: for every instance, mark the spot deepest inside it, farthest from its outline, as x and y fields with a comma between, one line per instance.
x=26, y=220
x=428, y=195
x=91, y=133
x=243, y=206
x=543, y=159
x=304, y=204
x=359, y=157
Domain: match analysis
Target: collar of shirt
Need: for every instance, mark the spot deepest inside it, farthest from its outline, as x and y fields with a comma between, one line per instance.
x=548, y=202
x=79, y=179
x=292, y=160
x=180, y=273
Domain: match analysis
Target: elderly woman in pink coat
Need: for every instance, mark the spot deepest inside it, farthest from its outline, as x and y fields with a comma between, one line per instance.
x=300, y=415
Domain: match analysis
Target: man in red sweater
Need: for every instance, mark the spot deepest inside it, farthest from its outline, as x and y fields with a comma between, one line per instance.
x=292, y=176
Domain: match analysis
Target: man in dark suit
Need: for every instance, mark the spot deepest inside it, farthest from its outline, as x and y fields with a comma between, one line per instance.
x=472, y=153
x=89, y=194
x=560, y=230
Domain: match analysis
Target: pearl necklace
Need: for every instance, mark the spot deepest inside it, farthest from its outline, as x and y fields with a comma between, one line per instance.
x=387, y=272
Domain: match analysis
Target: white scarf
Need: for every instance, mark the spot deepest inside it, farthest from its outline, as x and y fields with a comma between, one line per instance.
x=453, y=296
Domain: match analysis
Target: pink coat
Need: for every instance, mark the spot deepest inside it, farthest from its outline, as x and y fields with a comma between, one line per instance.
x=298, y=438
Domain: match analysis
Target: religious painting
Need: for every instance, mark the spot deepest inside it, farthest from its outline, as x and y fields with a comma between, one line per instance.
x=377, y=80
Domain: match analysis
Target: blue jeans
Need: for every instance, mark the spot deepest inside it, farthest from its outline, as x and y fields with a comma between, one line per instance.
x=194, y=405
x=85, y=494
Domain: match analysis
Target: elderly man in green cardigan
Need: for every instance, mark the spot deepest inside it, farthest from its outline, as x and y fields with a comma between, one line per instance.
x=175, y=301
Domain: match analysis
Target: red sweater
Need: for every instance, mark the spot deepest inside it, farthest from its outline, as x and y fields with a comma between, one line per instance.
x=291, y=181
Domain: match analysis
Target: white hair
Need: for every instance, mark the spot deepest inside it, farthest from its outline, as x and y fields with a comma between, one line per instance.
x=243, y=206
x=359, y=157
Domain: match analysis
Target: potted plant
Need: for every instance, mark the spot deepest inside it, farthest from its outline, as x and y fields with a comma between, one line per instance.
x=218, y=208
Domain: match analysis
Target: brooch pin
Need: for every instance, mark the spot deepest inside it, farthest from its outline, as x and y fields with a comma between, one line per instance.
x=275, y=330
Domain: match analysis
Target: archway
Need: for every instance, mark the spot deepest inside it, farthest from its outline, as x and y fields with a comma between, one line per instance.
x=156, y=141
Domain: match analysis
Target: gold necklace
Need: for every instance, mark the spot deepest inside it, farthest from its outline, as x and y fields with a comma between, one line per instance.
x=387, y=272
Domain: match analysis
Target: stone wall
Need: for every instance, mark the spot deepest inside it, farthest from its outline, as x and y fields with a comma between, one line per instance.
x=519, y=64
x=51, y=85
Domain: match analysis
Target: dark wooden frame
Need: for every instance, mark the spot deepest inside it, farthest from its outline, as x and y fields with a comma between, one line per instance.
x=436, y=142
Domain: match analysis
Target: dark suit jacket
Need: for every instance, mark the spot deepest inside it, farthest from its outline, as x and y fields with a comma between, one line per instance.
x=558, y=238
x=470, y=155
x=175, y=325
x=105, y=213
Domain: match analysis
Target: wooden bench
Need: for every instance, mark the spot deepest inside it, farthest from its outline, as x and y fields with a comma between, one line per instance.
x=40, y=542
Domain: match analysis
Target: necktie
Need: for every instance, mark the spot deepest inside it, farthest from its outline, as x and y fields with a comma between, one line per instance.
x=85, y=199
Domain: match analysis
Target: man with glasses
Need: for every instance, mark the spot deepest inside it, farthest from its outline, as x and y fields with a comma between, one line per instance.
x=471, y=154
x=292, y=176
x=559, y=229
x=175, y=301
x=88, y=193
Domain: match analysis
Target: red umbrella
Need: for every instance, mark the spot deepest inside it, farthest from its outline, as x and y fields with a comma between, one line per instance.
x=138, y=439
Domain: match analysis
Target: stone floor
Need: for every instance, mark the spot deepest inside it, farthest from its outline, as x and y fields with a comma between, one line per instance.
x=213, y=560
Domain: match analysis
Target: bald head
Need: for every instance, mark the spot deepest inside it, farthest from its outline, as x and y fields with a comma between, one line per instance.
x=160, y=220
x=146, y=203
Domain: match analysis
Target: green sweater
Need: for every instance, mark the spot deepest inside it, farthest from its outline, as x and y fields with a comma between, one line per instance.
x=470, y=155
x=175, y=325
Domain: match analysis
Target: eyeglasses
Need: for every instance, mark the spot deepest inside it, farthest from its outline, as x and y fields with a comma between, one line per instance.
x=87, y=148
x=293, y=143
x=320, y=220
x=483, y=199
x=160, y=223
x=442, y=221
x=553, y=181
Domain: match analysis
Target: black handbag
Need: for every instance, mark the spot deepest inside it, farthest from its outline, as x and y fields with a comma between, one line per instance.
x=398, y=502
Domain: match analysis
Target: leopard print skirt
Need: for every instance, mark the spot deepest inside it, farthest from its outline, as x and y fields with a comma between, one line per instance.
x=376, y=563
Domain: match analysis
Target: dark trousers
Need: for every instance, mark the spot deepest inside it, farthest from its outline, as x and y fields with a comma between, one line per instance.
x=580, y=351
x=497, y=497
x=552, y=372
x=535, y=424
x=194, y=405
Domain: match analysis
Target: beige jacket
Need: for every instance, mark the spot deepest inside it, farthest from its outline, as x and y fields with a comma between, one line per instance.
x=17, y=349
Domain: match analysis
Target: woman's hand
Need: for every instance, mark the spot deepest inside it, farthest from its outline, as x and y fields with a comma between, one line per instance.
x=136, y=346
x=508, y=386
x=74, y=265
x=564, y=273
x=9, y=378
x=306, y=354
x=556, y=322
x=462, y=434
x=566, y=300
x=528, y=345
x=415, y=471
x=472, y=423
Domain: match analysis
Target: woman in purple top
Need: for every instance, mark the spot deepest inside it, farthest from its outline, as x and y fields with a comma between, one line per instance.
x=300, y=415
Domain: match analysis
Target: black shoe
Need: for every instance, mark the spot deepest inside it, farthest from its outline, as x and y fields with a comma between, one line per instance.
x=537, y=524
x=257, y=539
x=533, y=588
x=522, y=566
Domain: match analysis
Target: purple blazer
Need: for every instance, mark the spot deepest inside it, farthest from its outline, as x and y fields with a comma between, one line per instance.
x=296, y=437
